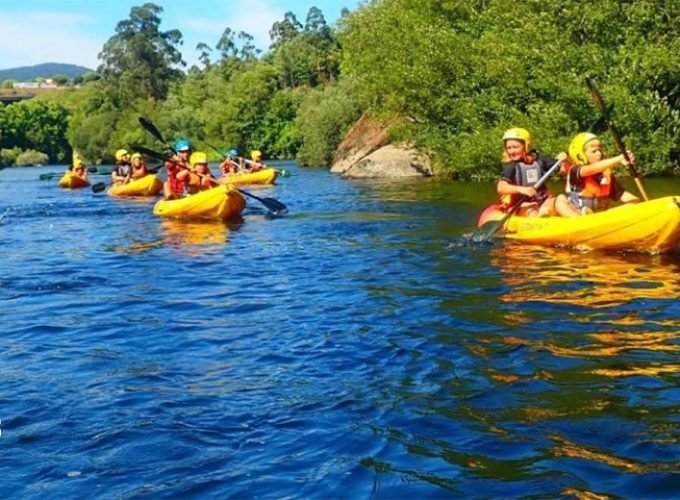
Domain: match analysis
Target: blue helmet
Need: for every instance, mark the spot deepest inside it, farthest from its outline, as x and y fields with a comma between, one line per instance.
x=183, y=145
x=232, y=152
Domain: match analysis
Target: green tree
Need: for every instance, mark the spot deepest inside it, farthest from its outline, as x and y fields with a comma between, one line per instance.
x=284, y=30
x=324, y=117
x=140, y=61
x=60, y=79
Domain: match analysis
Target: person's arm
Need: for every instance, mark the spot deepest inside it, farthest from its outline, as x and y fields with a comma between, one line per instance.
x=506, y=185
x=618, y=193
x=602, y=165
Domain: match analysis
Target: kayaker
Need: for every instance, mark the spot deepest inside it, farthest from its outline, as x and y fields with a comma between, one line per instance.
x=231, y=164
x=255, y=163
x=138, y=167
x=201, y=177
x=79, y=169
x=522, y=168
x=179, y=170
x=590, y=181
x=121, y=170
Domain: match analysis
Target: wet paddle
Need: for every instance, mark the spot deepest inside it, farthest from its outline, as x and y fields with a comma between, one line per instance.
x=615, y=134
x=272, y=204
x=490, y=228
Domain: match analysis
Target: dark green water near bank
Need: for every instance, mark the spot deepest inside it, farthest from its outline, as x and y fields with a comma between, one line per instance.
x=352, y=348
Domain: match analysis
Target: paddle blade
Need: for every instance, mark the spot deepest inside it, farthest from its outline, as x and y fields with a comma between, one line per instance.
x=273, y=205
x=47, y=177
x=150, y=152
x=99, y=187
x=151, y=128
x=488, y=230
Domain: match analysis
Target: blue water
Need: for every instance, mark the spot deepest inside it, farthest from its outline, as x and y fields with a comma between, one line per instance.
x=352, y=348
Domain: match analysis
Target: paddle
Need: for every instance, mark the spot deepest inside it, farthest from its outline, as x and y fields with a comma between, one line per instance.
x=282, y=173
x=272, y=204
x=615, y=134
x=490, y=228
x=50, y=175
x=151, y=128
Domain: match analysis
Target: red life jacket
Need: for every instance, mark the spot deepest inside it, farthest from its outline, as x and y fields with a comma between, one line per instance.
x=176, y=186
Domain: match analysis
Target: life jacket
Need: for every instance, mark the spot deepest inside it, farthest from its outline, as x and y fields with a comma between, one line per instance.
x=592, y=192
x=526, y=174
x=230, y=166
x=123, y=169
x=138, y=173
x=176, y=186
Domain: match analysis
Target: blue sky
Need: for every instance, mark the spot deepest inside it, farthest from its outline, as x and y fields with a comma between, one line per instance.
x=74, y=31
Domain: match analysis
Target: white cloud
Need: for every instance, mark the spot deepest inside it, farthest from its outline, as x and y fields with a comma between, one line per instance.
x=30, y=37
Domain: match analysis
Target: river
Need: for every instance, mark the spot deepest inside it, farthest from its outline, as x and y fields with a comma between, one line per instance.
x=355, y=347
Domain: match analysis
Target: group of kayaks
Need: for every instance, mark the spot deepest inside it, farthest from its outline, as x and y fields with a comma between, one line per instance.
x=651, y=226
x=224, y=201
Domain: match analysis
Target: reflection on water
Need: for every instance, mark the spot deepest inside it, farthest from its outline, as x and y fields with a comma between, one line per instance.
x=618, y=306
x=179, y=232
x=584, y=279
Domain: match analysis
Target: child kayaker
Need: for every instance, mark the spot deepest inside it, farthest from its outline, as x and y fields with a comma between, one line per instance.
x=201, y=178
x=591, y=184
x=121, y=171
x=231, y=164
x=179, y=170
x=138, y=168
x=255, y=163
x=522, y=168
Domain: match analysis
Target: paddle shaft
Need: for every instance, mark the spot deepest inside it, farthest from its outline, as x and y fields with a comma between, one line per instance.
x=599, y=102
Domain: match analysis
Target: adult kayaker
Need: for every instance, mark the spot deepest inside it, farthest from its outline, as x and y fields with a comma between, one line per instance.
x=591, y=184
x=201, y=177
x=179, y=170
x=138, y=167
x=231, y=164
x=522, y=168
x=121, y=170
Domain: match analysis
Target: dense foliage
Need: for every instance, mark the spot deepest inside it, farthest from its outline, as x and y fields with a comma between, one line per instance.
x=459, y=71
x=464, y=71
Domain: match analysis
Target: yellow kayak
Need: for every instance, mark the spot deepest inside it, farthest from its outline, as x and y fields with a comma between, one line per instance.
x=264, y=176
x=221, y=202
x=71, y=181
x=149, y=185
x=651, y=227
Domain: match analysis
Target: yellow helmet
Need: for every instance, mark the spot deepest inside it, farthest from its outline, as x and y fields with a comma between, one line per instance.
x=255, y=154
x=518, y=134
x=120, y=153
x=135, y=156
x=577, y=145
x=197, y=158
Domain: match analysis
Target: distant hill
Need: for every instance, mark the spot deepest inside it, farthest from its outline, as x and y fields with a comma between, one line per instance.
x=46, y=70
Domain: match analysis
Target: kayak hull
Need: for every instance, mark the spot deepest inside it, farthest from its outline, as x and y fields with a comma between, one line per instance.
x=264, y=176
x=72, y=181
x=650, y=227
x=221, y=202
x=149, y=185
